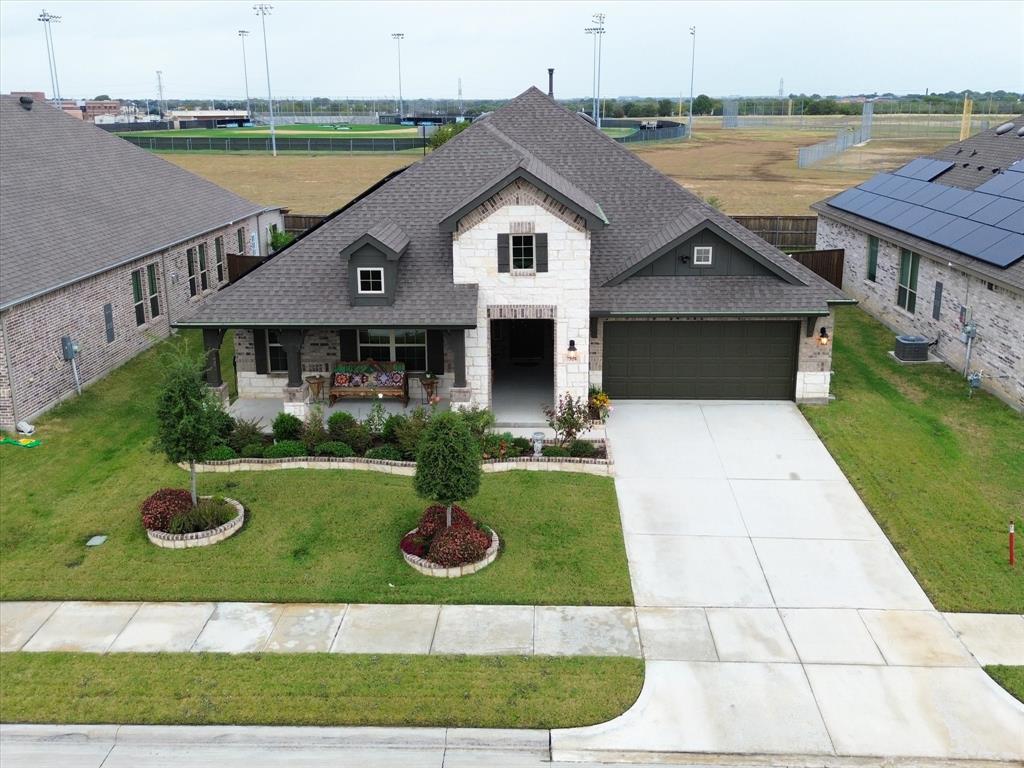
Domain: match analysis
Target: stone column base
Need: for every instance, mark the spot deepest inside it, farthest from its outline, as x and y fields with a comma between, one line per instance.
x=296, y=401
x=221, y=393
x=813, y=386
x=462, y=397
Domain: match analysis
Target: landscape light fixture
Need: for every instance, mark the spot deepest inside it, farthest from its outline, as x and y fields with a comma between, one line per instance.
x=263, y=10
x=398, y=37
x=244, y=33
x=693, y=59
x=823, y=336
x=51, y=57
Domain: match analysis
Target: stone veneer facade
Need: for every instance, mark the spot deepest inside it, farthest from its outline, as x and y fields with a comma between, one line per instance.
x=996, y=310
x=33, y=374
x=561, y=294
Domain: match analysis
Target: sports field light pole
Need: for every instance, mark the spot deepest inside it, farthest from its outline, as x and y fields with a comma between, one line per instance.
x=693, y=59
x=398, y=37
x=263, y=10
x=599, y=33
x=244, y=33
x=593, y=74
x=51, y=57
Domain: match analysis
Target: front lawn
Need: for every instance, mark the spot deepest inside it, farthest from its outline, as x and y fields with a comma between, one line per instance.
x=942, y=473
x=1011, y=678
x=316, y=536
x=317, y=689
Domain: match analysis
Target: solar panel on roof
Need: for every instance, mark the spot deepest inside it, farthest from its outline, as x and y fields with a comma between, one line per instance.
x=1014, y=222
x=1016, y=191
x=996, y=211
x=937, y=168
x=930, y=223
x=975, y=201
x=923, y=169
x=880, y=202
x=915, y=214
x=974, y=243
x=1004, y=252
x=893, y=211
x=998, y=184
x=953, y=231
x=910, y=169
x=865, y=199
x=949, y=197
x=926, y=193
x=875, y=182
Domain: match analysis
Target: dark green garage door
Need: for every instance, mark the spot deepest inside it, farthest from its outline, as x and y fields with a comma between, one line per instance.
x=701, y=360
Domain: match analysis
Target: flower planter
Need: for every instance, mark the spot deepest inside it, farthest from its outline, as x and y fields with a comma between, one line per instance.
x=428, y=568
x=200, y=538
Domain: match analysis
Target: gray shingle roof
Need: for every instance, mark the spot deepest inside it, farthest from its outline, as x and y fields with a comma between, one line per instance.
x=306, y=282
x=75, y=201
x=976, y=160
x=391, y=236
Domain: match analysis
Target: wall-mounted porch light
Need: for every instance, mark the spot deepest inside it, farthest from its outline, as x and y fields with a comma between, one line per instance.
x=823, y=336
x=572, y=354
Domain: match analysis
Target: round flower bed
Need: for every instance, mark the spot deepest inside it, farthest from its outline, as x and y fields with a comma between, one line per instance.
x=434, y=549
x=172, y=522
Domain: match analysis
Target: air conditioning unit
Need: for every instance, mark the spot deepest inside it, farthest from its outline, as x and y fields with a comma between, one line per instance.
x=912, y=349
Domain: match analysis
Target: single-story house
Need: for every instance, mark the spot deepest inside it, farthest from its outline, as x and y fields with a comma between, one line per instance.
x=103, y=246
x=936, y=249
x=532, y=256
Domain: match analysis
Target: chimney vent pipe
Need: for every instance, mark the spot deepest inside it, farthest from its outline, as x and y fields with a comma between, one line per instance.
x=26, y=102
x=551, y=82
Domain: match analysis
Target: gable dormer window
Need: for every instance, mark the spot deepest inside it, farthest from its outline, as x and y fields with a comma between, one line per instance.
x=702, y=256
x=523, y=253
x=371, y=280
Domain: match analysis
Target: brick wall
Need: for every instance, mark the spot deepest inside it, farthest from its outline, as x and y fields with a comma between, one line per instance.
x=31, y=332
x=997, y=312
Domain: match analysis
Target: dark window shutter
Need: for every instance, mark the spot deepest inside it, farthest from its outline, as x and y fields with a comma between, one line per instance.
x=349, y=349
x=593, y=327
x=435, y=352
x=540, y=242
x=108, y=321
x=503, y=260
x=937, y=304
x=259, y=342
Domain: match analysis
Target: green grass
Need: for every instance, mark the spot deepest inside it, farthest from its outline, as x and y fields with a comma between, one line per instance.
x=311, y=535
x=941, y=472
x=317, y=689
x=1011, y=678
x=617, y=132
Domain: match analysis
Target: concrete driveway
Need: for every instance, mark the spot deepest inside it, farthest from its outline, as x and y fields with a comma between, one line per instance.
x=774, y=614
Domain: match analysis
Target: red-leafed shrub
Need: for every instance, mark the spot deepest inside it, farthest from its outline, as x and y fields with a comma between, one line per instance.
x=163, y=506
x=414, y=544
x=435, y=519
x=458, y=545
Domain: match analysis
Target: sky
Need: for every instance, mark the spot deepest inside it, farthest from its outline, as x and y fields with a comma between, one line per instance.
x=344, y=49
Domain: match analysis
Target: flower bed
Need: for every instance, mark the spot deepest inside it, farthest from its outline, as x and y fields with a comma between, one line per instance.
x=435, y=549
x=160, y=510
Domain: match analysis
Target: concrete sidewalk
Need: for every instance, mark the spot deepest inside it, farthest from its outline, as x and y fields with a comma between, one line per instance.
x=100, y=627
x=775, y=616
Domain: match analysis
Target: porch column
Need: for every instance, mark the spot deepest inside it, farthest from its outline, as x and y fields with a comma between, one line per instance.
x=456, y=342
x=291, y=340
x=212, y=338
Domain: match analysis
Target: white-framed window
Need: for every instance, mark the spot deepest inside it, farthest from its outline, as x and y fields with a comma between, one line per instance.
x=218, y=255
x=404, y=345
x=240, y=235
x=204, y=275
x=371, y=280
x=277, y=358
x=523, y=253
x=154, y=296
x=702, y=256
x=906, y=291
x=137, y=299
x=193, y=285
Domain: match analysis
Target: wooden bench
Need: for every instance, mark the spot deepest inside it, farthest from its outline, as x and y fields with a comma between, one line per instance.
x=369, y=379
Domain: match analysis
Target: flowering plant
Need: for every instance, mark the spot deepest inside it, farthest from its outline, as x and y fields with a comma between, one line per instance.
x=600, y=403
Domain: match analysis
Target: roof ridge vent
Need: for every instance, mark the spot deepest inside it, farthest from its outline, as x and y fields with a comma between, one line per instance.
x=26, y=102
x=1004, y=128
x=1020, y=131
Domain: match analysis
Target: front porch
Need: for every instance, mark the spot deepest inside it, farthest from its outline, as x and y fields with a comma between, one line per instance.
x=266, y=409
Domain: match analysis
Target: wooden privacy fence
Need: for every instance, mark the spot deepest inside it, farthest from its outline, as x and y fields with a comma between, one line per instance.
x=239, y=264
x=787, y=233
x=827, y=264
x=297, y=223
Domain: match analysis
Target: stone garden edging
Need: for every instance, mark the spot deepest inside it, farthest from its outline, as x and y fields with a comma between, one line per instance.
x=427, y=568
x=200, y=538
x=603, y=467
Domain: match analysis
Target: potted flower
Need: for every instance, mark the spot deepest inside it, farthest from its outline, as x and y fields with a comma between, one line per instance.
x=600, y=404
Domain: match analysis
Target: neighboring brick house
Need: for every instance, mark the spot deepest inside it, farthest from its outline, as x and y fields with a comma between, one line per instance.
x=101, y=242
x=529, y=257
x=936, y=249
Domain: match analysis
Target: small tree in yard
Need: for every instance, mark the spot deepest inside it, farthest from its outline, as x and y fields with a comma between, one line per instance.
x=188, y=415
x=568, y=418
x=447, y=463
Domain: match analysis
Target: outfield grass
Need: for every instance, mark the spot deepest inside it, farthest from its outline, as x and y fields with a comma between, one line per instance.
x=941, y=472
x=1011, y=678
x=316, y=536
x=317, y=689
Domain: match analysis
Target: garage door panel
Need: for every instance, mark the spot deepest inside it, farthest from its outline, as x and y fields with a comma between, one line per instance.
x=700, y=360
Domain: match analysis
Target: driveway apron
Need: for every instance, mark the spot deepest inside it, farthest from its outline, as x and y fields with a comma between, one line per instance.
x=774, y=614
